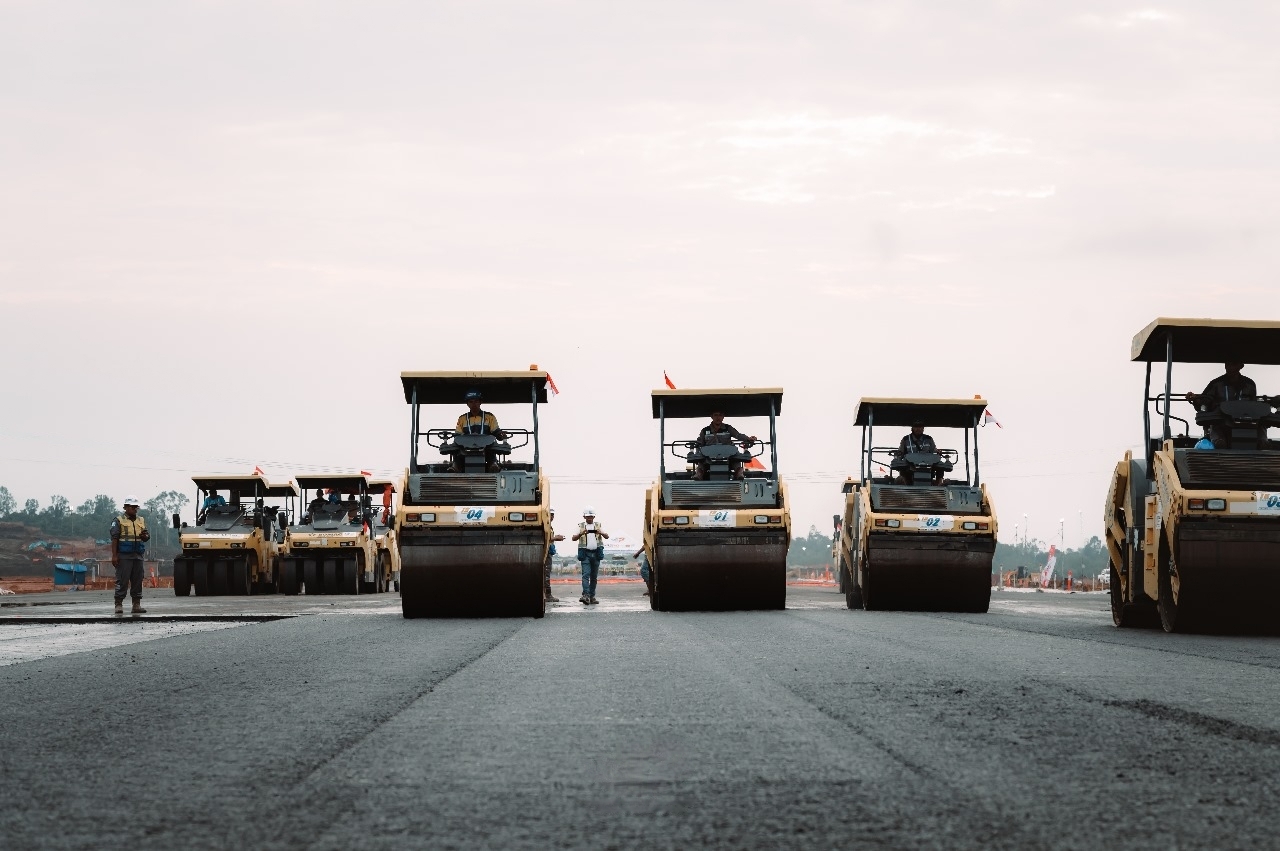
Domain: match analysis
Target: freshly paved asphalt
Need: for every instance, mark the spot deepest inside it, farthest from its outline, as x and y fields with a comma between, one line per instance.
x=1038, y=725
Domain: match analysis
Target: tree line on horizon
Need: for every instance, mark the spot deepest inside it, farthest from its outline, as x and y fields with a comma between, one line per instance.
x=92, y=518
x=1091, y=560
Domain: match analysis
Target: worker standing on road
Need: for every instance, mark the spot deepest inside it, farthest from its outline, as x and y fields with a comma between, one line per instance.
x=546, y=570
x=129, y=538
x=590, y=551
x=643, y=559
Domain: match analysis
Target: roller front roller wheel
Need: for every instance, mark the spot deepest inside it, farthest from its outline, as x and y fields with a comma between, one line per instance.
x=331, y=579
x=351, y=579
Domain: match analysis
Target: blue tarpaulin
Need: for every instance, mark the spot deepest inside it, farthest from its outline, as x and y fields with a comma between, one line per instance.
x=69, y=574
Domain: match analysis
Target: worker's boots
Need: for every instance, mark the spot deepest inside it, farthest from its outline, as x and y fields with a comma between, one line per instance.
x=137, y=608
x=119, y=607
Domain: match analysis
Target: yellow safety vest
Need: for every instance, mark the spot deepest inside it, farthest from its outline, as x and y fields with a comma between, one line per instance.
x=131, y=534
x=487, y=422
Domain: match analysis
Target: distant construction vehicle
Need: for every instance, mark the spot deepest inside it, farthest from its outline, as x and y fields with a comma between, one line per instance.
x=917, y=536
x=473, y=524
x=717, y=523
x=383, y=492
x=332, y=549
x=234, y=546
x=1192, y=524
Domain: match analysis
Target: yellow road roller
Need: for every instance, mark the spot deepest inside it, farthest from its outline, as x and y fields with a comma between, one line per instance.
x=918, y=530
x=383, y=492
x=473, y=524
x=717, y=524
x=233, y=547
x=333, y=549
x=1192, y=521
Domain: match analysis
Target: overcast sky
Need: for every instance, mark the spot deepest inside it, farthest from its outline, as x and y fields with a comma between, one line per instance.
x=225, y=228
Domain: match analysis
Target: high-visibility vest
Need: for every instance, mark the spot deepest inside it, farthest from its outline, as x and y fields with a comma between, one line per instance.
x=583, y=531
x=481, y=423
x=131, y=534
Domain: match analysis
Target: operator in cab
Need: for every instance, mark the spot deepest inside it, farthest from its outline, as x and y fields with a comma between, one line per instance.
x=917, y=442
x=213, y=500
x=720, y=432
x=1231, y=386
x=477, y=421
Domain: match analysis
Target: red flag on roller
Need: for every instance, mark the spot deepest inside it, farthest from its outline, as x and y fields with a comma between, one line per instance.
x=668, y=380
x=754, y=464
x=551, y=383
x=257, y=471
x=365, y=473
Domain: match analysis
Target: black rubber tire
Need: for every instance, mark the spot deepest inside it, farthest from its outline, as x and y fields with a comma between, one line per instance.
x=238, y=579
x=289, y=577
x=1175, y=615
x=871, y=601
x=397, y=584
x=351, y=580
x=218, y=585
x=331, y=577
x=1130, y=615
x=313, y=580
x=852, y=590
x=181, y=577
x=200, y=577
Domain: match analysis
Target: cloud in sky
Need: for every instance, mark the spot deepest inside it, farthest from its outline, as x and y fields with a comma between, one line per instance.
x=918, y=198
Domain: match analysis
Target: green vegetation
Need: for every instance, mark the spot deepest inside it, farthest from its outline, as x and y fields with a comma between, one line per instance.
x=811, y=550
x=92, y=518
x=1087, y=561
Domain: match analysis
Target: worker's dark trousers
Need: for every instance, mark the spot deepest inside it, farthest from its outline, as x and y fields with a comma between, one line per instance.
x=129, y=573
x=590, y=561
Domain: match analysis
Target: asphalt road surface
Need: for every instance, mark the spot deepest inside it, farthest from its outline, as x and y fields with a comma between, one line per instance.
x=1038, y=725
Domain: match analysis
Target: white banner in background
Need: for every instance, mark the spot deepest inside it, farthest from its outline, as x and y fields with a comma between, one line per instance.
x=1046, y=575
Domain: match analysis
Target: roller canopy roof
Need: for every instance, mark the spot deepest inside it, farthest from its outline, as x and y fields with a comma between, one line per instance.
x=498, y=388
x=346, y=484
x=245, y=485
x=942, y=413
x=740, y=402
x=1209, y=341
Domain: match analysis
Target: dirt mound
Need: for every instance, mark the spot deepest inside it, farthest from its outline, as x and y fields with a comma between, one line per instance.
x=18, y=557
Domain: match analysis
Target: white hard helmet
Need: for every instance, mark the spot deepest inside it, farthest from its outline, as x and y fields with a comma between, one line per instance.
x=551, y=511
x=131, y=500
x=588, y=512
